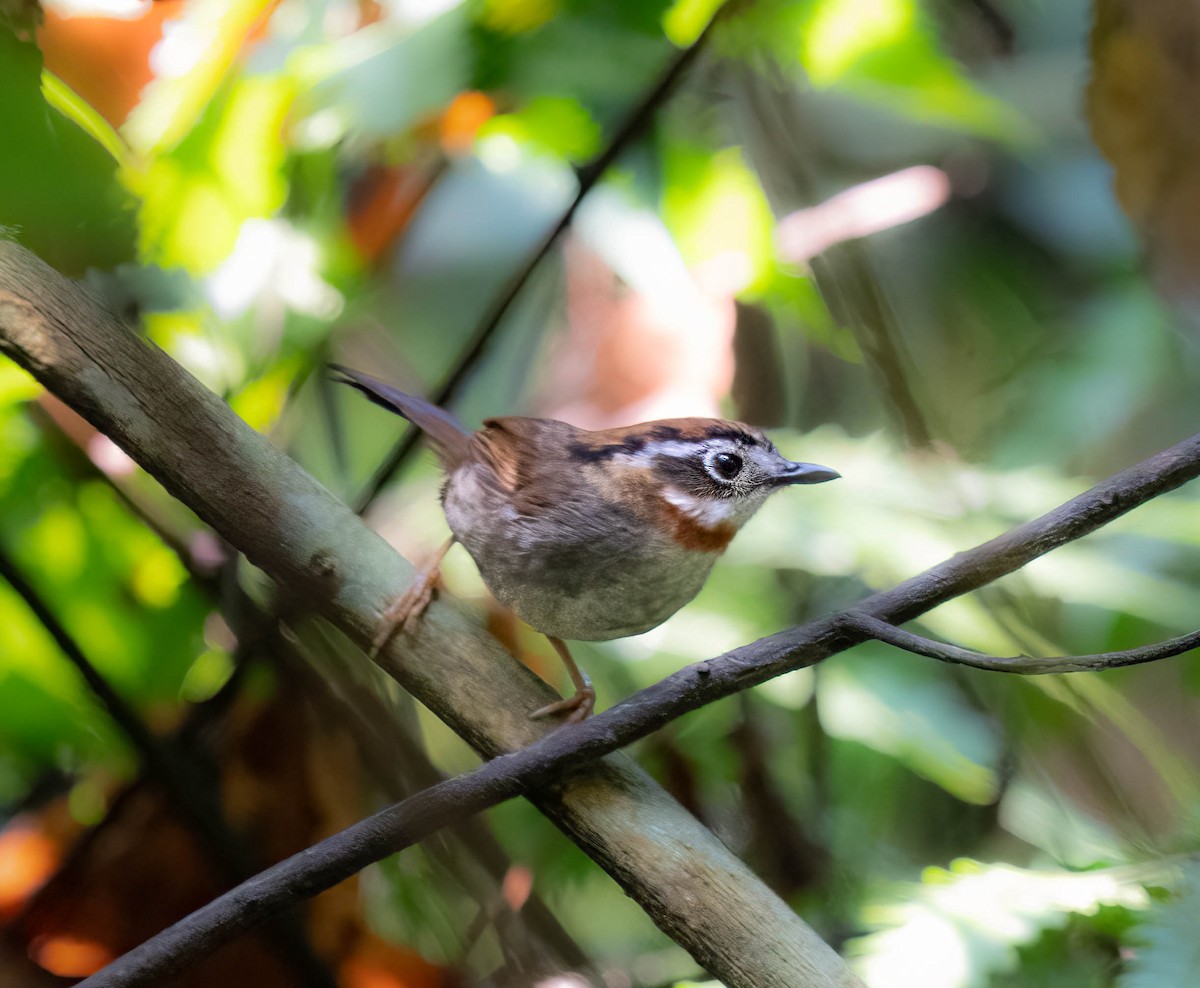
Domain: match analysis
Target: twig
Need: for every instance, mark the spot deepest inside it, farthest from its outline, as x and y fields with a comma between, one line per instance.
x=1021, y=665
x=588, y=175
x=149, y=748
x=185, y=785
x=525, y=771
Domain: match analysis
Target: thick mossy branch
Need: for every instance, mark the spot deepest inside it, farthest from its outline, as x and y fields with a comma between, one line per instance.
x=261, y=502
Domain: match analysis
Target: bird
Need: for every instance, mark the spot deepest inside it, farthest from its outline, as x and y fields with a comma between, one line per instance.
x=587, y=535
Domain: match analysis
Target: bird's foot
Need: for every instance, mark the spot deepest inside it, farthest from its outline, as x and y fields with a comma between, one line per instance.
x=406, y=610
x=580, y=706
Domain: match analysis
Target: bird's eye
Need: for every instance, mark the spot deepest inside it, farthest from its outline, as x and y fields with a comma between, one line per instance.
x=725, y=466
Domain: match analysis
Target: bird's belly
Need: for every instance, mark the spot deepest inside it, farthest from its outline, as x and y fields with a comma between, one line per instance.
x=614, y=599
x=589, y=575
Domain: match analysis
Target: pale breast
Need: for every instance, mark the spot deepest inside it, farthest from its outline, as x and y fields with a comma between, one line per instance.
x=582, y=568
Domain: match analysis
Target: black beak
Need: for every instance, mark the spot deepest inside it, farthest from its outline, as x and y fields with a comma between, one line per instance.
x=804, y=473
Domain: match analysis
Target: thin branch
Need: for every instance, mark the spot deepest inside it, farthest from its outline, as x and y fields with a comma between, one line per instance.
x=150, y=750
x=186, y=786
x=528, y=770
x=589, y=174
x=1022, y=665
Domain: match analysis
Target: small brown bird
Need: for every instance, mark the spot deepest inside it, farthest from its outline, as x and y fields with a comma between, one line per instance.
x=589, y=535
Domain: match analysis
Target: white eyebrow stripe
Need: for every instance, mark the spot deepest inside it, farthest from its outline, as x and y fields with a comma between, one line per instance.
x=673, y=447
x=685, y=447
x=679, y=448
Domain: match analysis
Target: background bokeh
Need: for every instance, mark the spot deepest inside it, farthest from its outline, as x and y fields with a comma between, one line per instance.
x=945, y=247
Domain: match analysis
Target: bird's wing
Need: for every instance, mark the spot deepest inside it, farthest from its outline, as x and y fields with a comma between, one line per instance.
x=527, y=456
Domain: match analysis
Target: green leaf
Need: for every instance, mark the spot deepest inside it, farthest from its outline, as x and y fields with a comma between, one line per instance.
x=906, y=708
x=557, y=124
x=886, y=50
x=1167, y=951
x=59, y=194
x=73, y=106
x=226, y=170
x=208, y=38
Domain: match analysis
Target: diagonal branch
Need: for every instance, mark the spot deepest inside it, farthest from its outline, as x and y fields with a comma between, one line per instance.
x=527, y=770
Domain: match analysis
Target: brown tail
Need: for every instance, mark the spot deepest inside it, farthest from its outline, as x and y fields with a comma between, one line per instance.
x=450, y=439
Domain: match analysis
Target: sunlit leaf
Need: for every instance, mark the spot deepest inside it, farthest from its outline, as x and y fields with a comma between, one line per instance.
x=684, y=21
x=719, y=216
x=198, y=50
x=197, y=195
x=553, y=123
x=72, y=106
x=960, y=926
x=886, y=50
x=206, y=675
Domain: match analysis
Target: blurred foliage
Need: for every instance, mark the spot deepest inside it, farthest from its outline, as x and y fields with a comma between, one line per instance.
x=59, y=194
x=961, y=926
x=316, y=178
x=1165, y=948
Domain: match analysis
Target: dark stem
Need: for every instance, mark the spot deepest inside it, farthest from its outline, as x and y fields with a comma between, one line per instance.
x=524, y=771
x=186, y=785
x=589, y=174
x=149, y=748
x=1022, y=665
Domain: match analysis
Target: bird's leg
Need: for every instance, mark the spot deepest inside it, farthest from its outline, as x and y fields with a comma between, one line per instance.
x=581, y=704
x=411, y=604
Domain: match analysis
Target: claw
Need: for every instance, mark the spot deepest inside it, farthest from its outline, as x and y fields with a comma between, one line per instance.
x=580, y=706
x=406, y=610
x=582, y=703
